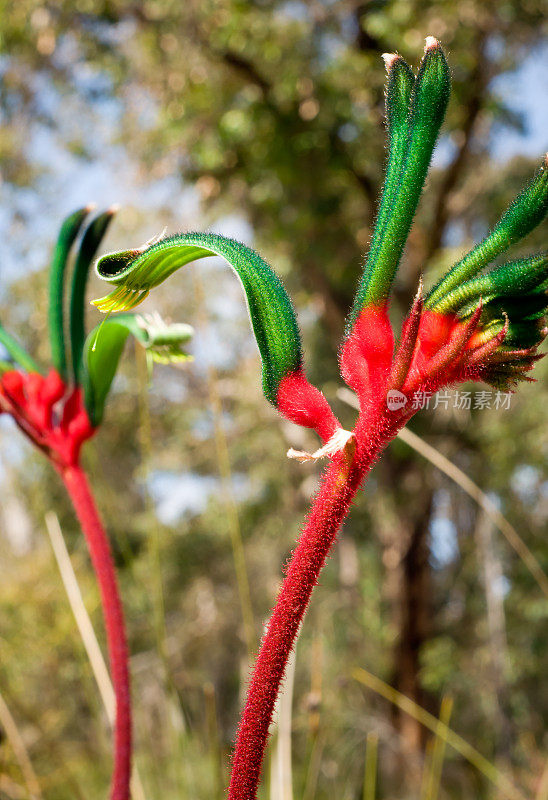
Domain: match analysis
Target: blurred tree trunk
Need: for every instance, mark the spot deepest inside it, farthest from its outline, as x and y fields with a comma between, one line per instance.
x=492, y=575
x=415, y=619
x=402, y=519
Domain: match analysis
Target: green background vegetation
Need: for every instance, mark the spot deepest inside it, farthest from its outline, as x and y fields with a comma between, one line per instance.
x=264, y=120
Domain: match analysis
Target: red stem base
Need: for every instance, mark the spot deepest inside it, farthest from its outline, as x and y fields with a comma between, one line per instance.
x=331, y=504
x=78, y=489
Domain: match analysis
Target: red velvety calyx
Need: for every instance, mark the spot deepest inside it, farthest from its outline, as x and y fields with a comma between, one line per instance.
x=11, y=387
x=366, y=355
x=303, y=404
x=30, y=399
x=436, y=332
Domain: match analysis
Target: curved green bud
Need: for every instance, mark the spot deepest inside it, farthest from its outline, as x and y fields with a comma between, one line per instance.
x=521, y=217
x=17, y=353
x=104, y=345
x=273, y=319
x=428, y=104
x=518, y=309
x=91, y=240
x=67, y=235
x=513, y=278
x=524, y=334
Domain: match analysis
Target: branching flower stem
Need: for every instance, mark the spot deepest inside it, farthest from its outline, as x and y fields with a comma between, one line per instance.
x=77, y=486
x=331, y=504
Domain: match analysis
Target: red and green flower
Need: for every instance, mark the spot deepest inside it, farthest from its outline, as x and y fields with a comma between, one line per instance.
x=480, y=323
x=60, y=409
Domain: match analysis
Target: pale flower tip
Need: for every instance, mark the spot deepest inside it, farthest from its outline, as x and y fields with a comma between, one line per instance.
x=430, y=43
x=389, y=59
x=299, y=455
x=89, y=207
x=340, y=441
x=113, y=209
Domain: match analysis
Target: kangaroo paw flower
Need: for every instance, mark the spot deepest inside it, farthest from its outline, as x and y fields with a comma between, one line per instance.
x=478, y=323
x=59, y=411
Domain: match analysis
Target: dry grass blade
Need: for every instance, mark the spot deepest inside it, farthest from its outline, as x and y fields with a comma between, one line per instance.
x=214, y=738
x=472, y=489
x=87, y=634
x=542, y=792
x=503, y=784
x=314, y=765
x=433, y=778
x=281, y=783
x=19, y=750
x=370, y=777
x=12, y=790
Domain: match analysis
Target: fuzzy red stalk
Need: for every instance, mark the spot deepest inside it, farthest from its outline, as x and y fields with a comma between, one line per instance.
x=77, y=486
x=331, y=504
x=55, y=420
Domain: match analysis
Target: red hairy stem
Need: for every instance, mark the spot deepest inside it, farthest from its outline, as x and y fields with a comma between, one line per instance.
x=340, y=482
x=78, y=489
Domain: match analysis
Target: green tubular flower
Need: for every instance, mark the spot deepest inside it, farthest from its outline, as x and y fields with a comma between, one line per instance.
x=95, y=359
x=515, y=278
x=514, y=304
x=413, y=134
x=521, y=217
x=272, y=315
x=135, y=272
x=398, y=96
x=504, y=307
x=67, y=235
x=91, y=240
